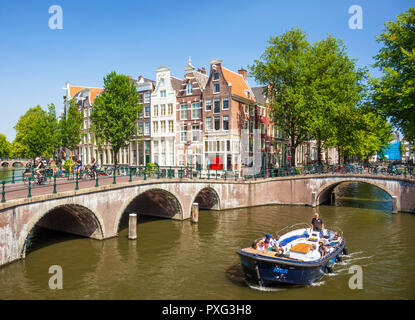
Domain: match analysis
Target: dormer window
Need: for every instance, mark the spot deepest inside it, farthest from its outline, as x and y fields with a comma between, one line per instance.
x=189, y=88
x=248, y=94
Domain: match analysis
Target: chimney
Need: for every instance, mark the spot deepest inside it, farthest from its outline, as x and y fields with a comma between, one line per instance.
x=203, y=70
x=243, y=72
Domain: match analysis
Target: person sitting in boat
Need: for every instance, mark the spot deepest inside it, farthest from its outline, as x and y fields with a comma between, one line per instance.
x=275, y=244
x=254, y=245
x=313, y=253
x=322, y=248
x=317, y=223
x=261, y=245
x=267, y=243
x=335, y=240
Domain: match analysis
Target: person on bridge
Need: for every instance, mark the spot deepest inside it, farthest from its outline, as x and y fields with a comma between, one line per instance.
x=317, y=223
x=93, y=167
x=78, y=166
x=39, y=166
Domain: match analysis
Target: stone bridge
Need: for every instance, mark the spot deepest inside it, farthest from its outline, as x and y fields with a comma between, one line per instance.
x=13, y=163
x=98, y=212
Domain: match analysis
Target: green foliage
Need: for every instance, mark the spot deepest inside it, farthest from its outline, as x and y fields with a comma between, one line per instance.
x=362, y=134
x=37, y=133
x=70, y=126
x=283, y=69
x=5, y=147
x=115, y=112
x=333, y=89
x=68, y=164
x=152, y=167
x=394, y=93
x=317, y=93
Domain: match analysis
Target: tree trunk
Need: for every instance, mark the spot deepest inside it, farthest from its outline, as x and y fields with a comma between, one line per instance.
x=319, y=152
x=292, y=151
x=115, y=157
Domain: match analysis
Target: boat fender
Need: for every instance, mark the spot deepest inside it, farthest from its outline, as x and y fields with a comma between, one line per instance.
x=329, y=269
x=345, y=251
x=339, y=258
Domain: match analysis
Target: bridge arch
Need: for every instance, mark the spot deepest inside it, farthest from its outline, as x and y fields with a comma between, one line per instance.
x=4, y=164
x=155, y=202
x=207, y=198
x=324, y=192
x=69, y=218
x=17, y=164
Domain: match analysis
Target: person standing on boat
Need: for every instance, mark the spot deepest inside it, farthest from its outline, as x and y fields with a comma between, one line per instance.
x=317, y=223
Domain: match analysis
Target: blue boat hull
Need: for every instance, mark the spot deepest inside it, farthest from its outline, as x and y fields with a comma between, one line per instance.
x=268, y=271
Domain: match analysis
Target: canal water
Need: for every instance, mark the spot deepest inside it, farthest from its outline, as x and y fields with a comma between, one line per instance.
x=181, y=260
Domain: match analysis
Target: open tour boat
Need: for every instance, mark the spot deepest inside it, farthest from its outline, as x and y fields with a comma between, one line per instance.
x=298, y=261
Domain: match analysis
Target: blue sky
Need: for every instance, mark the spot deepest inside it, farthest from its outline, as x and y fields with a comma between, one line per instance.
x=136, y=37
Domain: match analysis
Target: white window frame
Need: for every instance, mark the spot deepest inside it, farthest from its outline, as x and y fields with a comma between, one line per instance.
x=223, y=105
x=199, y=109
x=189, y=88
x=208, y=104
x=214, y=87
x=182, y=110
x=223, y=123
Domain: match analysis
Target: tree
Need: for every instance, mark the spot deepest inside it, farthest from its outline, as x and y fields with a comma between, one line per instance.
x=333, y=90
x=394, y=92
x=361, y=133
x=36, y=133
x=282, y=68
x=5, y=147
x=115, y=112
x=70, y=126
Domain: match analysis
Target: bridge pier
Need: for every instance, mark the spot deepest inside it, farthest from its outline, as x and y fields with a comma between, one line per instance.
x=195, y=212
x=394, y=204
x=313, y=199
x=132, y=226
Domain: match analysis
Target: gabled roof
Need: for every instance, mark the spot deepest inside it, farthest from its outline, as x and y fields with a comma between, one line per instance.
x=259, y=94
x=86, y=91
x=239, y=85
x=201, y=78
x=176, y=83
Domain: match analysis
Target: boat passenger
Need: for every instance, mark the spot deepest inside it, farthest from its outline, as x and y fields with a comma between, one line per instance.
x=276, y=245
x=261, y=245
x=313, y=253
x=336, y=239
x=254, y=245
x=322, y=248
x=267, y=245
x=317, y=223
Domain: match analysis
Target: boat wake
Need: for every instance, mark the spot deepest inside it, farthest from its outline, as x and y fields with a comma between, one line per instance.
x=318, y=283
x=261, y=288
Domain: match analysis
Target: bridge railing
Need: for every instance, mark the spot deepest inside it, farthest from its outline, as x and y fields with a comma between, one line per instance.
x=58, y=179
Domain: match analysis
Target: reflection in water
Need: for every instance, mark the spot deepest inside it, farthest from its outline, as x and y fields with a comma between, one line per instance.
x=362, y=195
x=180, y=260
